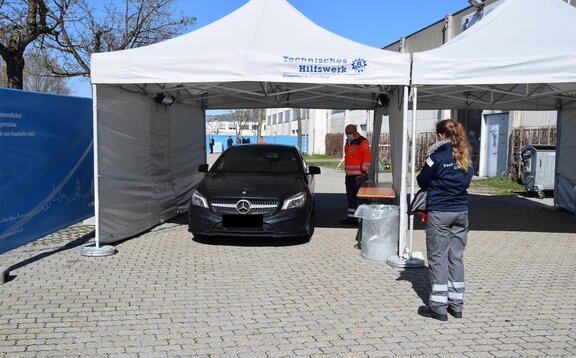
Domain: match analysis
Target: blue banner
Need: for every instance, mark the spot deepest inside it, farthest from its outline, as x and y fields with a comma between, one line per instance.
x=46, y=175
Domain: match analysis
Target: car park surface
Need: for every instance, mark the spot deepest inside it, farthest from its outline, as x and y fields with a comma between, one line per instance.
x=166, y=294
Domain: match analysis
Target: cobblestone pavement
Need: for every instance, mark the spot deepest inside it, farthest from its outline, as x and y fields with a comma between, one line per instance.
x=166, y=294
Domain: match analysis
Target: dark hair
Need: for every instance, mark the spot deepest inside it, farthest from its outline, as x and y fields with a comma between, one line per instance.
x=351, y=126
x=455, y=132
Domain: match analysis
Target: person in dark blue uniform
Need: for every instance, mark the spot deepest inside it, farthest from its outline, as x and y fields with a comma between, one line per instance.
x=446, y=174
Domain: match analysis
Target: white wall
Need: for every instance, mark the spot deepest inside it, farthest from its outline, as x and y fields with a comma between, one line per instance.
x=533, y=119
x=314, y=126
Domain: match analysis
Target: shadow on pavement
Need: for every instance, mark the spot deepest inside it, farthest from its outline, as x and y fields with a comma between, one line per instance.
x=487, y=213
x=249, y=241
x=330, y=209
x=420, y=281
x=238, y=241
x=181, y=219
x=514, y=213
x=68, y=246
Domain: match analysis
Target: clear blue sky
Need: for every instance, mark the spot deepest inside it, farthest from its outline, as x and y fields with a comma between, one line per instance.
x=371, y=22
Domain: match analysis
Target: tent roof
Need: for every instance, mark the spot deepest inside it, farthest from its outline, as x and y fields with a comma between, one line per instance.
x=519, y=56
x=265, y=54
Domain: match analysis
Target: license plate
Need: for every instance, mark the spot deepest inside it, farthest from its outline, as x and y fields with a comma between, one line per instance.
x=242, y=221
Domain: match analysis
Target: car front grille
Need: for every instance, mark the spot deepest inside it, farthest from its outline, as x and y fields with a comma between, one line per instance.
x=238, y=206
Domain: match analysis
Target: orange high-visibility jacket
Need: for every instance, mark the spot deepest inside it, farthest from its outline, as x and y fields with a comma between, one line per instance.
x=357, y=156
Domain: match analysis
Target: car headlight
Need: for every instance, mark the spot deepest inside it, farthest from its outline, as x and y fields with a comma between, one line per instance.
x=199, y=200
x=295, y=201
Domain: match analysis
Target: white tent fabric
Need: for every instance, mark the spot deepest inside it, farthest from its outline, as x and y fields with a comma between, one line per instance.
x=520, y=41
x=520, y=56
x=264, y=55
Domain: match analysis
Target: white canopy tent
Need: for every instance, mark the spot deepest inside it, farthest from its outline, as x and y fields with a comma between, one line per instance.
x=150, y=102
x=521, y=56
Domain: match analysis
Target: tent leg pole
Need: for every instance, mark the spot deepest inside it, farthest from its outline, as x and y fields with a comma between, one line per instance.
x=414, y=261
x=400, y=260
x=96, y=250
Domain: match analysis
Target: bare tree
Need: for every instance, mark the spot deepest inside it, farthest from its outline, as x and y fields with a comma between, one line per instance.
x=213, y=126
x=118, y=25
x=21, y=23
x=241, y=117
x=261, y=115
x=38, y=78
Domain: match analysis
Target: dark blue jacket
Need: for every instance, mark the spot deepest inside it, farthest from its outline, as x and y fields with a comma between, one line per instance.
x=445, y=181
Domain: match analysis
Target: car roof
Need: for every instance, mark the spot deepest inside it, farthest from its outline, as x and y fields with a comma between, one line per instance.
x=264, y=146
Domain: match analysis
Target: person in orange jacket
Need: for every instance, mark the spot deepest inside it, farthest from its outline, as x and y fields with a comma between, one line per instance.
x=356, y=164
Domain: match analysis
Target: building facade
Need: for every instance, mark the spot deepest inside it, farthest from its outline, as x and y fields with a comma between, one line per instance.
x=489, y=131
x=311, y=124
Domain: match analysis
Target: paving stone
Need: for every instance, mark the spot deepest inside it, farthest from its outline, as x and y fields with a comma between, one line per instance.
x=167, y=294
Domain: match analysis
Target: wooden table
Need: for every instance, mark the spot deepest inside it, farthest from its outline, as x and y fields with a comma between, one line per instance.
x=376, y=192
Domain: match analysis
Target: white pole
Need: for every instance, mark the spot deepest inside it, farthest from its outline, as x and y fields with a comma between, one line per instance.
x=404, y=176
x=400, y=261
x=413, y=163
x=95, y=150
x=96, y=250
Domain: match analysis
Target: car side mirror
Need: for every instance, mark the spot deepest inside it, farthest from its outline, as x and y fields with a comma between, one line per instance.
x=203, y=168
x=312, y=169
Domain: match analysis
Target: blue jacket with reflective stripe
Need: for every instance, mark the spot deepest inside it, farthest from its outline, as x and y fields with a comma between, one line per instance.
x=447, y=184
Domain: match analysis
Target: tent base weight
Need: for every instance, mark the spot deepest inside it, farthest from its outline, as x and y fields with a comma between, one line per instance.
x=105, y=250
x=4, y=274
x=402, y=262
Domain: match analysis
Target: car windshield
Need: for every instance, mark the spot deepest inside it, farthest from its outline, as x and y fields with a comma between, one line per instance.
x=258, y=160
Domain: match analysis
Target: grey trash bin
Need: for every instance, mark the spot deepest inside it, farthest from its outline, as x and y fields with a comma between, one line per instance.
x=379, y=230
x=538, y=166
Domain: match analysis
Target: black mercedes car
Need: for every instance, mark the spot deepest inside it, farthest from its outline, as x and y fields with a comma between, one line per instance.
x=255, y=190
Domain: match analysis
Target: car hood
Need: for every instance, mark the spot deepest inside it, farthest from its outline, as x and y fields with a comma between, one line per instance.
x=250, y=185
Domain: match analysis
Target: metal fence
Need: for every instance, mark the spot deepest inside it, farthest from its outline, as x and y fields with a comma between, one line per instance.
x=522, y=136
x=518, y=139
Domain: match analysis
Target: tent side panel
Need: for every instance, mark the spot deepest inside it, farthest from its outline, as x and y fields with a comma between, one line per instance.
x=395, y=123
x=187, y=151
x=142, y=175
x=126, y=205
x=565, y=190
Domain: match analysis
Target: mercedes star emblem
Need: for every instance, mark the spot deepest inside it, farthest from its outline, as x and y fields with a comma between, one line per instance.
x=243, y=206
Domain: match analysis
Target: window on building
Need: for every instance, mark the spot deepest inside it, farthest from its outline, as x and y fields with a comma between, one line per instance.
x=268, y=120
x=287, y=115
x=280, y=117
x=304, y=113
x=334, y=111
x=274, y=118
